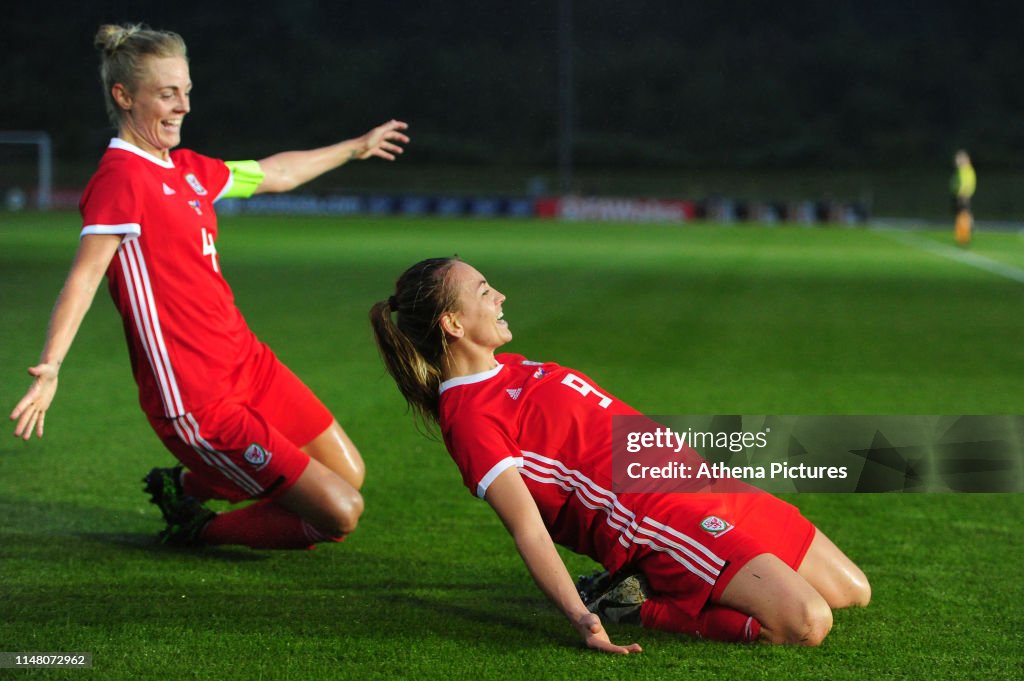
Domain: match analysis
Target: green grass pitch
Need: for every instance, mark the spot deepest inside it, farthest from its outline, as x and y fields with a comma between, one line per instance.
x=692, y=320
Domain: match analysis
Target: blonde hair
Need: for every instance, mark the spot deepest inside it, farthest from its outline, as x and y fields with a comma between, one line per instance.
x=124, y=50
x=407, y=328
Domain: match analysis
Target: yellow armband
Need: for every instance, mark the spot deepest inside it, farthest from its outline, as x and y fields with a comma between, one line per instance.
x=246, y=176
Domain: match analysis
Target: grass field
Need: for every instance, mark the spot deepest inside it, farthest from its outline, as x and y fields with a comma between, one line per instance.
x=695, y=320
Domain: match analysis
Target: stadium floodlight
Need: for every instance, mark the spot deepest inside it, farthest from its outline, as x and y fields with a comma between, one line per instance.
x=44, y=185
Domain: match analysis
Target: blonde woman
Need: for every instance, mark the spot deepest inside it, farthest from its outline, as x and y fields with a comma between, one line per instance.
x=242, y=425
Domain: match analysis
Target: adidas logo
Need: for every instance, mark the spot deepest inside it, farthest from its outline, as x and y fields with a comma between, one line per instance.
x=514, y=393
x=168, y=191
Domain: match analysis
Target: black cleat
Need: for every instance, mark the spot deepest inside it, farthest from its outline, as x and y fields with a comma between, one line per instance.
x=164, y=488
x=593, y=586
x=186, y=524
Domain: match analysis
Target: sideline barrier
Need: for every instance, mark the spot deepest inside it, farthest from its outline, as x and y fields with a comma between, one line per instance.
x=573, y=208
x=570, y=208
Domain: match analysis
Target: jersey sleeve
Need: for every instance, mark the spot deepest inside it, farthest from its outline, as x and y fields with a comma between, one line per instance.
x=482, y=450
x=111, y=204
x=246, y=177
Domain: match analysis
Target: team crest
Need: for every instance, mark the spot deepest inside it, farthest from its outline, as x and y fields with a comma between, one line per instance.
x=539, y=373
x=715, y=526
x=195, y=206
x=257, y=456
x=193, y=182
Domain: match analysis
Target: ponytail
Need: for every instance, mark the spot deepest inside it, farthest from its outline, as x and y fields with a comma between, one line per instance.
x=407, y=329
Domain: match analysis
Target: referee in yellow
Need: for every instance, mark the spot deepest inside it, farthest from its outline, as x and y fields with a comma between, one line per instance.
x=962, y=186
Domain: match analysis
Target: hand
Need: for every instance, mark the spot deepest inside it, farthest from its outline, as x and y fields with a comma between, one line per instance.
x=31, y=410
x=383, y=141
x=593, y=634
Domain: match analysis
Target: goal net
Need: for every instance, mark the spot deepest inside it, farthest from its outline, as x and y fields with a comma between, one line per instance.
x=26, y=169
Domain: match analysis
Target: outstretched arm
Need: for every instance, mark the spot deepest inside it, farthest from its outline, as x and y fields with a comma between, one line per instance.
x=287, y=170
x=511, y=500
x=94, y=254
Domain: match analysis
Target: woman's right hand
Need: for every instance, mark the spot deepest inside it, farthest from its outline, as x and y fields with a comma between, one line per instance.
x=593, y=634
x=30, y=413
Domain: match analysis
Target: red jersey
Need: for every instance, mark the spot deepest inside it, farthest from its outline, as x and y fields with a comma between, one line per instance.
x=555, y=425
x=186, y=337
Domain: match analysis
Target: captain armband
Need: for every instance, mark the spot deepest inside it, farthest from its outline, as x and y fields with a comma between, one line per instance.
x=246, y=176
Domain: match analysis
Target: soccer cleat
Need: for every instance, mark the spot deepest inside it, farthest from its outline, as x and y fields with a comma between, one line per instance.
x=186, y=523
x=594, y=585
x=164, y=488
x=614, y=598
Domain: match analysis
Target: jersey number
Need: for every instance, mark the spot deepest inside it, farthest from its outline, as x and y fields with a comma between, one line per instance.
x=209, y=249
x=584, y=388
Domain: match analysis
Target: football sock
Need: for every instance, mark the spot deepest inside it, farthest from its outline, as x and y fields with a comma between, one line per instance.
x=193, y=486
x=718, y=623
x=962, y=228
x=263, y=525
x=714, y=622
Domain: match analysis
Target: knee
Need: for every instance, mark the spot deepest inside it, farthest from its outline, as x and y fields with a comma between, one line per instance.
x=861, y=593
x=358, y=473
x=815, y=625
x=856, y=593
x=807, y=625
x=343, y=516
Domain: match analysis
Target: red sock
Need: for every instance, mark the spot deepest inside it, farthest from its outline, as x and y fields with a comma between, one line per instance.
x=714, y=622
x=263, y=525
x=718, y=623
x=193, y=486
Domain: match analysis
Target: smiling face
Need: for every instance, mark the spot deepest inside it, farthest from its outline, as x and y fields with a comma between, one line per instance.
x=478, y=323
x=154, y=109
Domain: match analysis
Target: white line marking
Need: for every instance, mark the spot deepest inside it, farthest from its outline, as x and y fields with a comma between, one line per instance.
x=954, y=253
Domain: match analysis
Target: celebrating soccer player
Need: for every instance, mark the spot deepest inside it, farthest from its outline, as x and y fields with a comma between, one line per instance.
x=242, y=424
x=534, y=439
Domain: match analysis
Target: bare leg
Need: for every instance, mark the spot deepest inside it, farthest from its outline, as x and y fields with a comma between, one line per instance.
x=837, y=578
x=324, y=500
x=789, y=609
x=326, y=495
x=335, y=450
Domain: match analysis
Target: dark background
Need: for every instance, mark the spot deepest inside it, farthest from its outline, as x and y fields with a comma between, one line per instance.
x=866, y=85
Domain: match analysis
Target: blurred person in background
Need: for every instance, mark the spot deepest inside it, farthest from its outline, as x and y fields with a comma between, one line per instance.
x=242, y=425
x=962, y=186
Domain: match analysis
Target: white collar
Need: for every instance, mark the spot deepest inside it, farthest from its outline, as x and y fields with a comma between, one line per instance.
x=472, y=378
x=118, y=143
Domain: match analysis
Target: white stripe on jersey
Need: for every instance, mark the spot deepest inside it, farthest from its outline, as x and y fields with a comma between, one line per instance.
x=682, y=554
x=592, y=496
x=147, y=323
x=710, y=579
x=647, y=532
x=585, y=488
x=188, y=430
x=686, y=539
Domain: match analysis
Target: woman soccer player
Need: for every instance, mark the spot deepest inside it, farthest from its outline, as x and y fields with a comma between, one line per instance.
x=534, y=439
x=243, y=425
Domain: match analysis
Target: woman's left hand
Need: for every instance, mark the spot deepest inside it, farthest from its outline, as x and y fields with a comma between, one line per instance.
x=383, y=141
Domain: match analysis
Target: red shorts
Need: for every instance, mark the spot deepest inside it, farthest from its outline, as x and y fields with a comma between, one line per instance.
x=723, y=532
x=247, y=444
